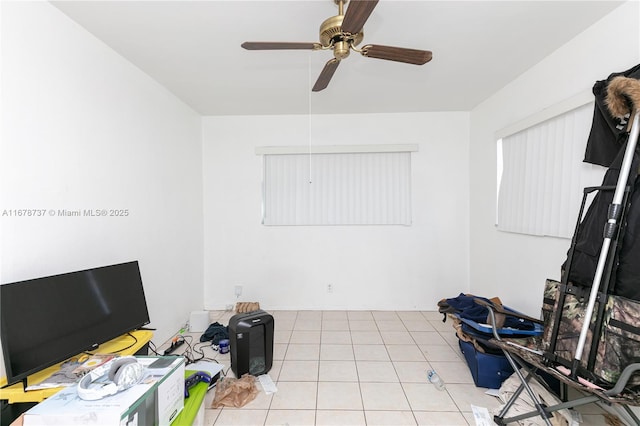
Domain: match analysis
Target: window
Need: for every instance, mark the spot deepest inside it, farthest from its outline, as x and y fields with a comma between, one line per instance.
x=542, y=175
x=338, y=188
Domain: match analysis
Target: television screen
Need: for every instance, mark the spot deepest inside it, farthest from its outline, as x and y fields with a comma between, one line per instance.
x=47, y=320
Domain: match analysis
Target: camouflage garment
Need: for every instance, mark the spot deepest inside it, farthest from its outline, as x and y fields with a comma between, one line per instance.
x=619, y=343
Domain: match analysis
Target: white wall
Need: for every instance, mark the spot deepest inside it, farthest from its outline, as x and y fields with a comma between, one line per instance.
x=85, y=129
x=370, y=267
x=515, y=266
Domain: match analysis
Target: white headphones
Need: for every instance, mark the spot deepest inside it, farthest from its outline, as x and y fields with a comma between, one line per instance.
x=123, y=373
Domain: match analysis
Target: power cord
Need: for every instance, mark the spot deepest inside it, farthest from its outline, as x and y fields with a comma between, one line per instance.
x=153, y=348
x=193, y=352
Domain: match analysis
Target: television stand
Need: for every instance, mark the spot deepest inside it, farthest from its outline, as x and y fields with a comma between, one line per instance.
x=16, y=393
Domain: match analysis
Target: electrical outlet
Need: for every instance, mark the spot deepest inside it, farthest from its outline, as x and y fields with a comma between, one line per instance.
x=238, y=290
x=329, y=288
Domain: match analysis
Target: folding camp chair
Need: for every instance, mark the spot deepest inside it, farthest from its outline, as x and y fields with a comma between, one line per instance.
x=522, y=358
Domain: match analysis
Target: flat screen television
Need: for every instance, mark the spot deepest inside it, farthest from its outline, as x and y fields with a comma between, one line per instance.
x=47, y=320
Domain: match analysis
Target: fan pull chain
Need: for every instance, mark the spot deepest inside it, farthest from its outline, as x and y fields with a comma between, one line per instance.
x=309, y=116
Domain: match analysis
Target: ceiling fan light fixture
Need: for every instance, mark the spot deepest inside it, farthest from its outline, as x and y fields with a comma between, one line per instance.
x=331, y=32
x=341, y=50
x=344, y=32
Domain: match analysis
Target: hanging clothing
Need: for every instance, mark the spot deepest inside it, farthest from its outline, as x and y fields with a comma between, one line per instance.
x=606, y=146
x=608, y=134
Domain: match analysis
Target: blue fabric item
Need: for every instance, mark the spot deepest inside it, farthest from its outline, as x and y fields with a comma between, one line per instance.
x=467, y=308
x=215, y=332
x=487, y=370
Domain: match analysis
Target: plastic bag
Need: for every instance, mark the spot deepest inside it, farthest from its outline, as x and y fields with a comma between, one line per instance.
x=232, y=392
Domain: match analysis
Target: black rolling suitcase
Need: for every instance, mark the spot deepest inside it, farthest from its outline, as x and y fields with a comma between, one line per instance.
x=251, y=343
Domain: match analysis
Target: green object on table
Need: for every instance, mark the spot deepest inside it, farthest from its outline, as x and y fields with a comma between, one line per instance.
x=192, y=403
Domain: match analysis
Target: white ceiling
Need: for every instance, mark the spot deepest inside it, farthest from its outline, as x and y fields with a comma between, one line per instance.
x=193, y=49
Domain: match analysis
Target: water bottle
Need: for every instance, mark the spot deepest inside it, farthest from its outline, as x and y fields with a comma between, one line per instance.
x=435, y=379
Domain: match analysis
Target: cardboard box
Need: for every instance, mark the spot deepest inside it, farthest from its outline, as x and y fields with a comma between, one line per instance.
x=158, y=399
x=170, y=395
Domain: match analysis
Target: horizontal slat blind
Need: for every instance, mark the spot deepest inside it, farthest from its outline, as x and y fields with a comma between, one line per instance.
x=337, y=189
x=543, y=175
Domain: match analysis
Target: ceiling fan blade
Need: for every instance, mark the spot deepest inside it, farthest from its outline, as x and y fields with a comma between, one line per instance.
x=398, y=54
x=275, y=45
x=325, y=76
x=357, y=14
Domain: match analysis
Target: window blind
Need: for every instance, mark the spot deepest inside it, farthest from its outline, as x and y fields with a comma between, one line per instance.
x=543, y=175
x=372, y=188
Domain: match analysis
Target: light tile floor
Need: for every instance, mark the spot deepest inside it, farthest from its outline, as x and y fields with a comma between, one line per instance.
x=360, y=368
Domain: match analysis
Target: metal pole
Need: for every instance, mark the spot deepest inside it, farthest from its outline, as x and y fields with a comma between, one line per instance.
x=614, y=211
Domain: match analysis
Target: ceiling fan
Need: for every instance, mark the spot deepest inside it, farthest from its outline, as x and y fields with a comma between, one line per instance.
x=342, y=33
